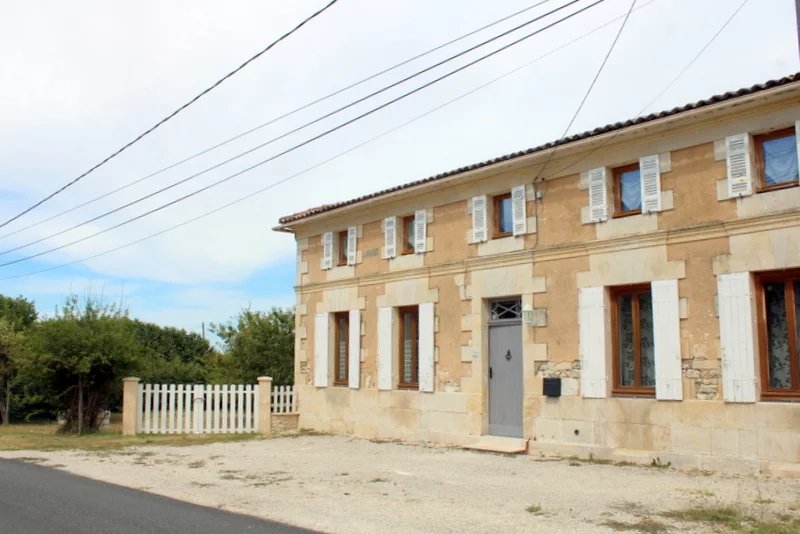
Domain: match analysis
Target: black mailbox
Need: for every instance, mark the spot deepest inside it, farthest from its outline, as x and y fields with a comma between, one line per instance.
x=552, y=387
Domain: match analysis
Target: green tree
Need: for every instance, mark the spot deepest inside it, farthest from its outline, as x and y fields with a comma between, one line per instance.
x=79, y=358
x=257, y=344
x=16, y=316
x=169, y=354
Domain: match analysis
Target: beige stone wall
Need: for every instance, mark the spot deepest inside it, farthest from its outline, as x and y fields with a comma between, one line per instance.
x=700, y=234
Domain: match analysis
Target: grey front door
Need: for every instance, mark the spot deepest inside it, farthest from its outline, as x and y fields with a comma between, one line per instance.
x=505, y=369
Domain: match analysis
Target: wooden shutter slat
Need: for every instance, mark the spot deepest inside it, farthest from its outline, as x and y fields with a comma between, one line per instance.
x=667, y=340
x=479, y=233
x=598, y=209
x=352, y=244
x=390, y=237
x=426, y=347
x=592, y=341
x=385, y=347
x=518, y=211
x=797, y=143
x=738, y=161
x=736, y=337
x=321, y=334
x=354, y=350
x=420, y=230
x=650, y=175
x=327, y=250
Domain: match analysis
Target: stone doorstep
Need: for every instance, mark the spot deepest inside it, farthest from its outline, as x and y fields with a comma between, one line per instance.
x=500, y=444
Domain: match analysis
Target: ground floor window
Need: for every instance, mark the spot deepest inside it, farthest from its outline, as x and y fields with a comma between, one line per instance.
x=341, y=347
x=632, y=338
x=409, y=347
x=779, y=332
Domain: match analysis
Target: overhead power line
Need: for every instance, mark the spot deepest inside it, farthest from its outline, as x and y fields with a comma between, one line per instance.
x=299, y=128
x=170, y=116
x=664, y=90
x=275, y=119
x=589, y=90
x=251, y=195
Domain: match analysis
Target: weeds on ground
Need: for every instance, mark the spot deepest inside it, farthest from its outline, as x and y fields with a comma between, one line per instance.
x=45, y=437
x=535, y=509
x=645, y=525
x=734, y=518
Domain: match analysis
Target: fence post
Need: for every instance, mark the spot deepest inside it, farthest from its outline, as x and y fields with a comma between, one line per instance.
x=264, y=405
x=130, y=405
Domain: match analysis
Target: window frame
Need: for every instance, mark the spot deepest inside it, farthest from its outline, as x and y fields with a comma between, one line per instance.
x=787, y=276
x=414, y=384
x=496, y=200
x=337, y=339
x=617, y=173
x=758, y=143
x=341, y=252
x=617, y=389
x=406, y=251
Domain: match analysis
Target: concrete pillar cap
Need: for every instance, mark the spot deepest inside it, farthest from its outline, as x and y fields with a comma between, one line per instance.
x=264, y=378
x=132, y=379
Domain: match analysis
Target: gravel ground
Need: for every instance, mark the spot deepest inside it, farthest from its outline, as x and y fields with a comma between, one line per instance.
x=339, y=484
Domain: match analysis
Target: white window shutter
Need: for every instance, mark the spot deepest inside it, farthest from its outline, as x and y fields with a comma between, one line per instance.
x=321, y=353
x=386, y=344
x=736, y=337
x=797, y=142
x=598, y=195
x=352, y=244
x=518, y=211
x=650, y=174
x=420, y=230
x=667, y=338
x=354, y=349
x=592, y=340
x=390, y=237
x=327, y=250
x=426, y=347
x=479, y=232
x=740, y=180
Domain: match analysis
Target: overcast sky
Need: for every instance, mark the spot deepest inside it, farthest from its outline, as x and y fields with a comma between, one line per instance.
x=79, y=79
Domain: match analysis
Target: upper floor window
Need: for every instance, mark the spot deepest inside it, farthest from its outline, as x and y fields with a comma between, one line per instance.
x=779, y=333
x=627, y=190
x=341, y=348
x=409, y=234
x=503, y=216
x=633, y=341
x=776, y=159
x=341, y=246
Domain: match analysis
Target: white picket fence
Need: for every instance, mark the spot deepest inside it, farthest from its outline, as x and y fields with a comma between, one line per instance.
x=206, y=409
x=284, y=400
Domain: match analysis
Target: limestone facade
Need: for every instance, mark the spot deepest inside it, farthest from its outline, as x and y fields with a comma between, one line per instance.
x=699, y=235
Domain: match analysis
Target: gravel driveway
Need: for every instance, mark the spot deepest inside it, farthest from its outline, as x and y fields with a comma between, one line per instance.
x=339, y=484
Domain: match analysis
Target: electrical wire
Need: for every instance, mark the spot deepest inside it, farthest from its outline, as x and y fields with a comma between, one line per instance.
x=274, y=120
x=255, y=193
x=589, y=90
x=661, y=93
x=170, y=116
x=293, y=148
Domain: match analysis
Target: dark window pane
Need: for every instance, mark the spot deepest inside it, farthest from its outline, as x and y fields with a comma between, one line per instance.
x=342, y=349
x=408, y=347
x=505, y=218
x=630, y=190
x=506, y=309
x=625, y=319
x=409, y=244
x=646, y=343
x=780, y=160
x=797, y=320
x=777, y=335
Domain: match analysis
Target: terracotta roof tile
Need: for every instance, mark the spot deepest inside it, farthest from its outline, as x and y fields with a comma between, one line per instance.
x=730, y=95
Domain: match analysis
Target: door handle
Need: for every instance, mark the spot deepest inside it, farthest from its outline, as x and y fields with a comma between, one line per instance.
x=490, y=373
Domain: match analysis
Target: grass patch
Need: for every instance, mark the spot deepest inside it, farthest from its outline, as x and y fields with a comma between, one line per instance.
x=535, y=509
x=735, y=519
x=45, y=437
x=646, y=525
x=196, y=464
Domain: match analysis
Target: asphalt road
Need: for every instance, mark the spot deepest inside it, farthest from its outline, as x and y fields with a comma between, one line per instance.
x=41, y=500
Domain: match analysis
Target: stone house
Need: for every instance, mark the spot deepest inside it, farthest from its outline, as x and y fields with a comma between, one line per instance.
x=630, y=292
